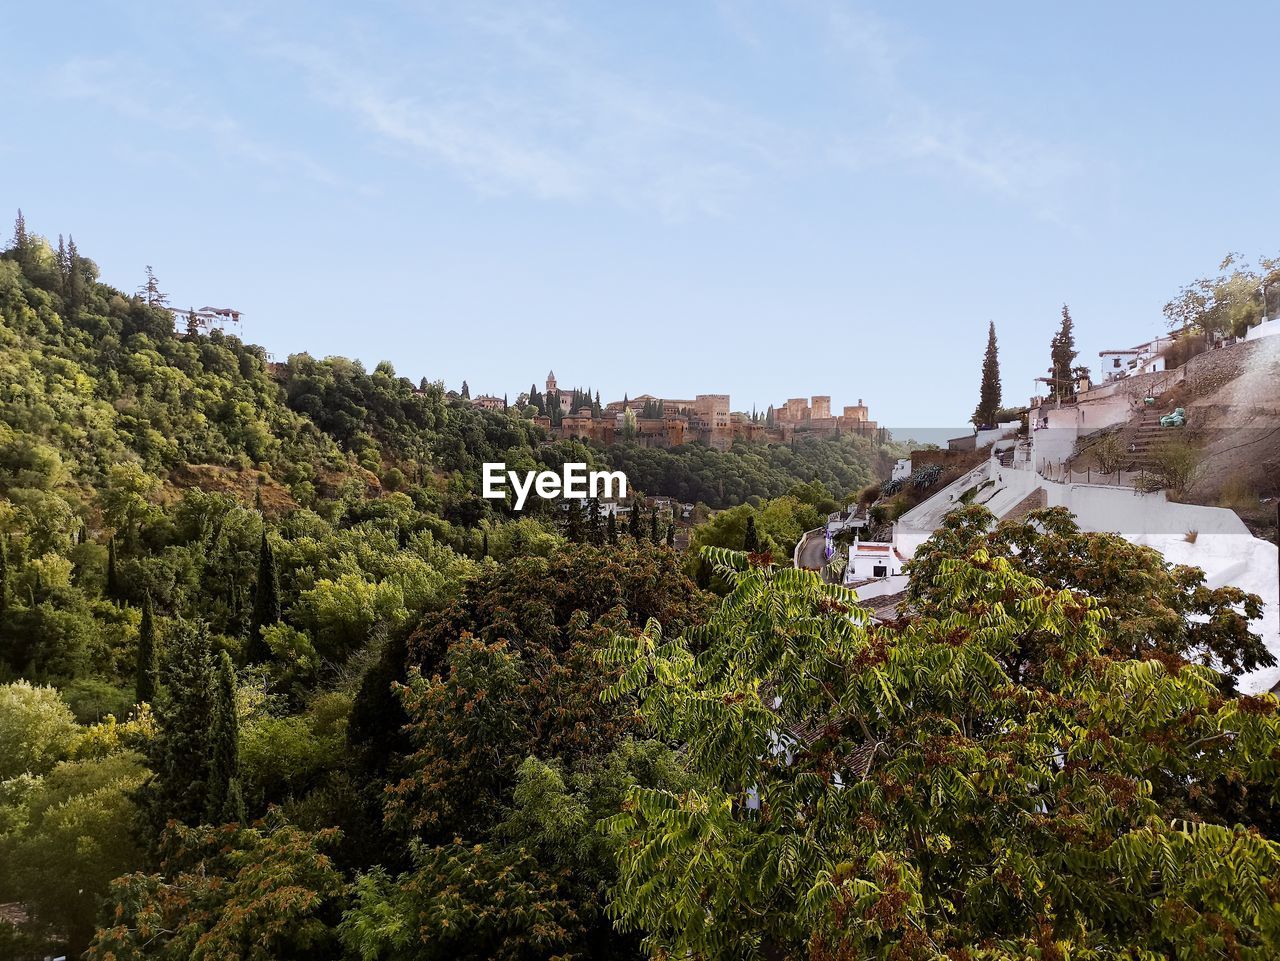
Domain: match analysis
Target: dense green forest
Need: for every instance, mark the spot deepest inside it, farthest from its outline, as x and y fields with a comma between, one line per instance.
x=275, y=682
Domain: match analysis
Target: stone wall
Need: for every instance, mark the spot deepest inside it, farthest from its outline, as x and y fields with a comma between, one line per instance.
x=1207, y=372
x=1138, y=386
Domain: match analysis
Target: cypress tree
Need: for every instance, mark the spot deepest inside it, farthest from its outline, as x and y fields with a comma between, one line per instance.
x=180, y=755
x=466, y=391
x=574, y=525
x=60, y=258
x=75, y=277
x=633, y=522
x=611, y=528
x=989, y=395
x=20, y=240
x=224, y=763
x=4, y=574
x=751, y=540
x=671, y=534
x=595, y=532
x=266, y=602
x=1063, y=352
x=113, y=580
x=653, y=525
x=145, y=680
x=233, y=808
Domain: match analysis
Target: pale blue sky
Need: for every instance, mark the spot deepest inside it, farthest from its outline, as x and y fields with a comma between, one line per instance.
x=768, y=199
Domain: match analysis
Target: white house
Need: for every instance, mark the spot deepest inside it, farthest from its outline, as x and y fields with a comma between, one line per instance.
x=1142, y=359
x=901, y=469
x=870, y=560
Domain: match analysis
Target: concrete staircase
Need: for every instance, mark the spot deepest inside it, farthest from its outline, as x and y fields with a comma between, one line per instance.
x=1146, y=438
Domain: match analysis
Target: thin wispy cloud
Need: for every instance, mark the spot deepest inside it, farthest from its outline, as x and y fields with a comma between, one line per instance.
x=914, y=129
x=522, y=99
x=144, y=96
x=554, y=124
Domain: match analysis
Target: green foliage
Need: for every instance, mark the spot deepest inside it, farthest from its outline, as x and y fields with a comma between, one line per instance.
x=1063, y=353
x=69, y=833
x=37, y=729
x=1176, y=463
x=266, y=601
x=225, y=802
x=181, y=757
x=695, y=473
x=777, y=524
x=252, y=893
x=1150, y=607
x=1229, y=303
x=148, y=658
x=896, y=791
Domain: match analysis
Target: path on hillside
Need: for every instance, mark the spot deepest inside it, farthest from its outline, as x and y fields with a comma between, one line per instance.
x=812, y=551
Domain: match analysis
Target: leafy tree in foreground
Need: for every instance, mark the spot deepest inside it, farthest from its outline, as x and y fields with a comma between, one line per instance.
x=260, y=893
x=1151, y=608
x=891, y=791
x=77, y=834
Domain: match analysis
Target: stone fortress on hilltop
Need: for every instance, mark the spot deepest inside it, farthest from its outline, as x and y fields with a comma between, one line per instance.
x=706, y=418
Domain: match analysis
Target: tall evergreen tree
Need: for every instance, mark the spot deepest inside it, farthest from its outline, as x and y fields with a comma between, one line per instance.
x=1063, y=351
x=989, y=394
x=266, y=602
x=113, y=579
x=147, y=666
x=4, y=574
x=653, y=525
x=573, y=524
x=224, y=802
x=750, y=539
x=60, y=259
x=20, y=241
x=180, y=755
x=611, y=528
x=466, y=391
x=73, y=296
x=150, y=291
x=633, y=522
x=671, y=534
x=595, y=531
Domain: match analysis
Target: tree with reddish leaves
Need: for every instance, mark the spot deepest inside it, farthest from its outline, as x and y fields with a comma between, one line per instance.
x=510, y=756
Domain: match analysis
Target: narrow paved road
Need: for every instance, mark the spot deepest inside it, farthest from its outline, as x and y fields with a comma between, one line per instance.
x=813, y=550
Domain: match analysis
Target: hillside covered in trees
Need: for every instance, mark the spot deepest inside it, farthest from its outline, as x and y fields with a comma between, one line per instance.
x=275, y=682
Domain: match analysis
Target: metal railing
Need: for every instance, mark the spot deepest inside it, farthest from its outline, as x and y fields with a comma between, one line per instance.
x=1140, y=479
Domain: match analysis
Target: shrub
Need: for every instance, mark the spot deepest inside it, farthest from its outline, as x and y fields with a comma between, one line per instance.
x=1109, y=453
x=1239, y=493
x=92, y=699
x=1176, y=463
